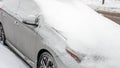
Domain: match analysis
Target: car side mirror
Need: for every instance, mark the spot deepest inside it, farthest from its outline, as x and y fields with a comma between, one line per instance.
x=31, y=20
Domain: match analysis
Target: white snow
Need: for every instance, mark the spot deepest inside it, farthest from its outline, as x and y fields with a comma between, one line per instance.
x=87, y=32
x=9, y=60
x=110, y=5
x=22, y=8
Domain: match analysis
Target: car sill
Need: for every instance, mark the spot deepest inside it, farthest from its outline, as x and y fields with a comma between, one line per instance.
x=20, y=55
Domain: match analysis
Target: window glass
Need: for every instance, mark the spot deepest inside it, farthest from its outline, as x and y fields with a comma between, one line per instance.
x=24, y=8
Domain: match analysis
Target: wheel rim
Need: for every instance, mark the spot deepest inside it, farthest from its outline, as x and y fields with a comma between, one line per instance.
x=2, y=34
x=46, y=61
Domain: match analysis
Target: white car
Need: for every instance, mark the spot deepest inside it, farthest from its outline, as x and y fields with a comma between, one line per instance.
x=60, y=34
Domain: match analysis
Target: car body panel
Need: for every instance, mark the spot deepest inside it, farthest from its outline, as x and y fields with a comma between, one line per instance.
x=66, y=26
x=35, y=42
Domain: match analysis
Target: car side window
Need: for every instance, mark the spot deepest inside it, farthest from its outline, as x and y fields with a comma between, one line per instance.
x=27, y=7
x=11, y=5
x=23, y=8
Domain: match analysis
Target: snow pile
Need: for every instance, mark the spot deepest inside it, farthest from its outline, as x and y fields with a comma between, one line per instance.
x=109, y=5
x=94, y=2
x=87, y=32
x=10, y=60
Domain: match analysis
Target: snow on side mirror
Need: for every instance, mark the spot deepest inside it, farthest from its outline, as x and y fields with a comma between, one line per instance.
x=31, y=20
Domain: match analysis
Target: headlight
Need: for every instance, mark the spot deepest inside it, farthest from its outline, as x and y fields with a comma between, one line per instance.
x=73, y=55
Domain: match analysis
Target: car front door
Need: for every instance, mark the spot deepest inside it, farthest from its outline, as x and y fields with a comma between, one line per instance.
x=27, y=39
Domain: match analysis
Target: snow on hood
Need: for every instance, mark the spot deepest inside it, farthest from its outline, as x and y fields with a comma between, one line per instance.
x=87, y=32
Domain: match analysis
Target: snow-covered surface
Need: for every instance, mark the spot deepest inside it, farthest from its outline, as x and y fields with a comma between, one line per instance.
x=23, y=8
x=110, y=5
x=87, y=32
x=9, y=60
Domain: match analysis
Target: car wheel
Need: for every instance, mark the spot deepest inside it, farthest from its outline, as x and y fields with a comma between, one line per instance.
x=2, y=34
x=46, y=60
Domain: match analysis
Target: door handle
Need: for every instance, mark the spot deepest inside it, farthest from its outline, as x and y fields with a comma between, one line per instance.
x=16, y=22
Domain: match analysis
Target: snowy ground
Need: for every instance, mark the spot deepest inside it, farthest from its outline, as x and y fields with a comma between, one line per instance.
x=110, y=5
x=9, y=59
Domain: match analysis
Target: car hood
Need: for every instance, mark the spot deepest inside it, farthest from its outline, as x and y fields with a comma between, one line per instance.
x=87, y=32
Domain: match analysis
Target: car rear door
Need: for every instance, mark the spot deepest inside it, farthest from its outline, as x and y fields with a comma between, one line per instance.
x=8, y=23
x=8, y=13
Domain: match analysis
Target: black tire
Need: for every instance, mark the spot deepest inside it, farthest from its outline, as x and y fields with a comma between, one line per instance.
x=2, y=34
x=46, y=60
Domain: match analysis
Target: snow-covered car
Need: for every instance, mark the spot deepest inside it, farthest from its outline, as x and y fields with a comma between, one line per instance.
x=60, y=34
